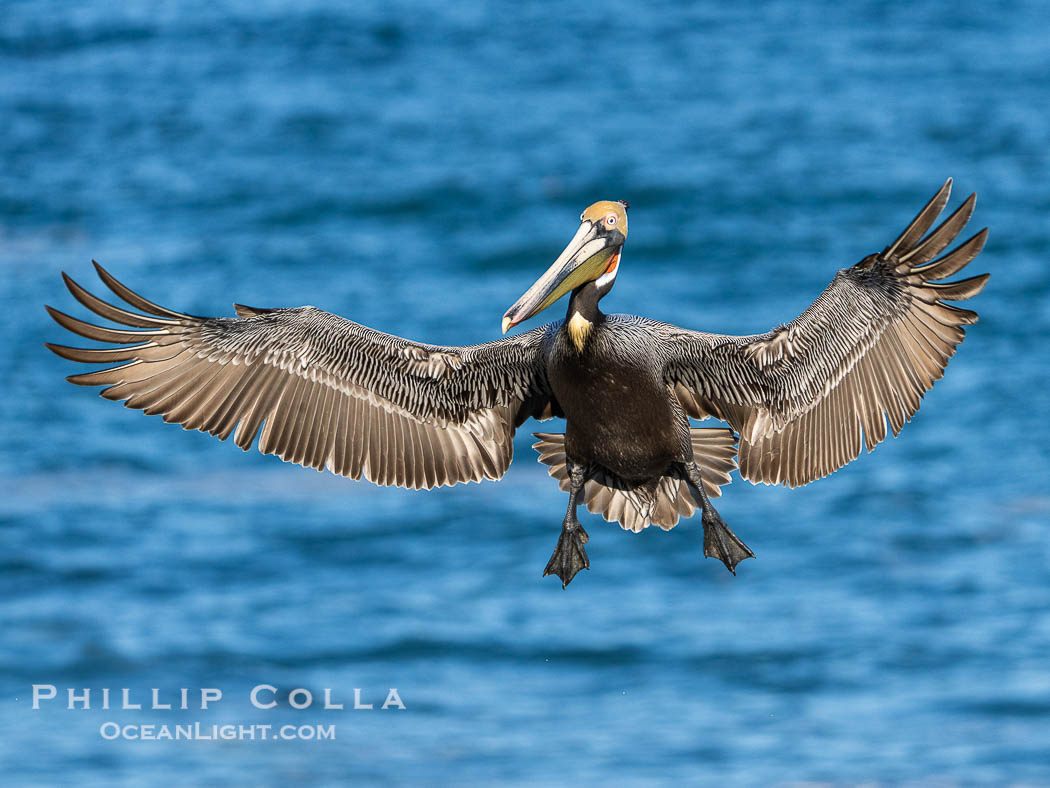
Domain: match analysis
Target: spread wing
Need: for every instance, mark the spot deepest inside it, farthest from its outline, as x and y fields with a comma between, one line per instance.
x=806, y=396
x=319, y=390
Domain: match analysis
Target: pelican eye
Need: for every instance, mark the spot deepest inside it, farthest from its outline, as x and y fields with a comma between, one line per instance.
x=583, y=215
x=610, y=220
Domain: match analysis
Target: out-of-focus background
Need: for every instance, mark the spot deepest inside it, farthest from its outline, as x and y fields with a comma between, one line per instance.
x=414, y=166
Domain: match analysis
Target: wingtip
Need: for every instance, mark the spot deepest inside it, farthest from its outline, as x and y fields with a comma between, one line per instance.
x=982, y=280
x=80, y=380
x=103, y=274
x=922, y=222
x=945, y=192
x=71, y=285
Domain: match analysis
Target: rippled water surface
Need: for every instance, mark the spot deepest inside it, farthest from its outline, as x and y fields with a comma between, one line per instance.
x=415, y=167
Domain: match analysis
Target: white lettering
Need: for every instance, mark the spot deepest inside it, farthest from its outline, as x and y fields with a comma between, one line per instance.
x=300, y=691
x=210, y=694
x=156, y=700
x=357, y=700
x=393, y=699
x=255, y=696
x=74, y=698
x=328, y=700
x=127, y=704
x=43, y=692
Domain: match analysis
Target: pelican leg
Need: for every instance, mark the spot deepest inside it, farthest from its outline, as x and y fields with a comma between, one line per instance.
x=719, y=540
x=569, y=556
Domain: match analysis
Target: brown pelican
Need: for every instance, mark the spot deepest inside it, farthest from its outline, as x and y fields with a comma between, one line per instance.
x=324, y=392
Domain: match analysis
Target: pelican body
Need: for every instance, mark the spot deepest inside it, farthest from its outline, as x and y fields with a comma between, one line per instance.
x=800, y=401
x=619, y=413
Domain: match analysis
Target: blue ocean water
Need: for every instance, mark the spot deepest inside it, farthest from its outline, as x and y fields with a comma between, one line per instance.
x=415, y=166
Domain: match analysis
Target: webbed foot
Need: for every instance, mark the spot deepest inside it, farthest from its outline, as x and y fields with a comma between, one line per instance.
x=569, y=556
x=721, y=543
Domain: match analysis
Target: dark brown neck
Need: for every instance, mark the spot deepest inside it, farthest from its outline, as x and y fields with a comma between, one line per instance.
x=584, y=300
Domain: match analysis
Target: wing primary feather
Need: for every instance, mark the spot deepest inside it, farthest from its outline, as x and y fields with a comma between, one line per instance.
x=110, y=312
x=953, y=262
x=133, y=298
x=959, y=290
x=149, y=351
x=922, y=221
x=945, y=233
x=117, y=336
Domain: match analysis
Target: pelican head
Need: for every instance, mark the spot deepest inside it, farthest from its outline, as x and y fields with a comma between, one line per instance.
x=593, y=255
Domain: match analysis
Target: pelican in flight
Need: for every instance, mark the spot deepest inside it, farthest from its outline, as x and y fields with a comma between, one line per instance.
x=801, y=400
